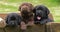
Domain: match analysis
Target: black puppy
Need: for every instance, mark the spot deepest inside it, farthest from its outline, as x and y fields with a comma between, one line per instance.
x=13, y=19
x=41, y=14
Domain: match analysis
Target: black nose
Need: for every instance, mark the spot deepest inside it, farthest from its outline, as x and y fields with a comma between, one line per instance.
x=11, y=23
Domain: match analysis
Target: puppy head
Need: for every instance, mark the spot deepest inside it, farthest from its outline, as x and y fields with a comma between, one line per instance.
x=41, y=11
x=25, y=8
x=13, y=19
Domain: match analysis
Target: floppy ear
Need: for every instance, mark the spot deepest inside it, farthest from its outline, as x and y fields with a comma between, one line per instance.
x=19, y=9
x=20, y=19
x=47, y=11
x=31, y=7
x=34, y=9
x=6, y=19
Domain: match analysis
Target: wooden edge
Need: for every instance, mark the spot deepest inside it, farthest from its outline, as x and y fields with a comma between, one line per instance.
x=52, y=23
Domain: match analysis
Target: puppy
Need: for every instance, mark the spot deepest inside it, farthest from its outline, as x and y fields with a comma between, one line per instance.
x=2, y=23
x=41, y=14
x=13, y=19
x=26, y=10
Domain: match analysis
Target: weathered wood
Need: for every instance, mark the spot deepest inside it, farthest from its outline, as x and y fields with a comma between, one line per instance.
x=1, y=30
x=3, y=15
x=36, y=28
x=53, y=27
x=12, y=29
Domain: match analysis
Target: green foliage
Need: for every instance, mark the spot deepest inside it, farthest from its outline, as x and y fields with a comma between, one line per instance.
x=55, y=2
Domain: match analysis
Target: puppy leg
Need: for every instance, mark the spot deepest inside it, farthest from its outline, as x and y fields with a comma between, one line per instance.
x=23, y=27
x=30, y=23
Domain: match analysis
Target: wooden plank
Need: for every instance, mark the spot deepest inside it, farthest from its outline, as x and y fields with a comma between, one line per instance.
x=12, y=29
x=53, y=27
x=36, y=28
x=3, y=15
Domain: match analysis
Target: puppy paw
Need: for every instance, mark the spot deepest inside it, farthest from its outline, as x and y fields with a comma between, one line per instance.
x=23, y=26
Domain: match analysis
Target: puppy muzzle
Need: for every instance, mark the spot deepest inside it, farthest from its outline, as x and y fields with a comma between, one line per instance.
x=12, y=24
x=25, y=12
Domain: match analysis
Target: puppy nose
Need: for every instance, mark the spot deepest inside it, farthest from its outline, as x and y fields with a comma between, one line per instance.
x=12, y=23
x=25, y=9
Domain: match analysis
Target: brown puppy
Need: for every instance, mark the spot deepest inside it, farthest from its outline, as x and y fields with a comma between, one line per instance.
x=26, y=10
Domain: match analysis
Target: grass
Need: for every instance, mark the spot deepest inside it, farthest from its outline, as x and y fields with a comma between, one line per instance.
x=7, y=6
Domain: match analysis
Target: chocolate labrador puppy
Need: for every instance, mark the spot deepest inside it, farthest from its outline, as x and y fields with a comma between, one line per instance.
x=26, y=10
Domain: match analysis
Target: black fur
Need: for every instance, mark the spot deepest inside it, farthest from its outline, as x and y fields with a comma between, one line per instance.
x=13, y=19
x=42, y=12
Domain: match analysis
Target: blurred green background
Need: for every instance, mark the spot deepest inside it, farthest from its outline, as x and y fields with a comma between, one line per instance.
x=7, y=6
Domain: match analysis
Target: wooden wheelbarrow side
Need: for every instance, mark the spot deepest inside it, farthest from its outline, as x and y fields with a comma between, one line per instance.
x=53, y=27
x=49, y=27
x=3, y=15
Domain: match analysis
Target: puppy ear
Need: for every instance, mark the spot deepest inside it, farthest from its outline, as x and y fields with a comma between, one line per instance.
x=19, y=9
x=34, y=9
x=6, y=19
x=47, y=11
x=20, y=19
x=31, y=7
